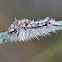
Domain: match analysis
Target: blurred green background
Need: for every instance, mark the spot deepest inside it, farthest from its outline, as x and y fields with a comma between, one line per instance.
x=47, y=49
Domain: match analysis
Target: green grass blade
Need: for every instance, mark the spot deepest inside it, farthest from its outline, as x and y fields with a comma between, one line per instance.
x=1, y=38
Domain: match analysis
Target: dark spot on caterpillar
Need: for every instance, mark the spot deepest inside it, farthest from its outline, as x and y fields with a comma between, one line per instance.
x=57, y=25
x=13, y=31
x=17, y=33
x=38, y=23
x=49, y=22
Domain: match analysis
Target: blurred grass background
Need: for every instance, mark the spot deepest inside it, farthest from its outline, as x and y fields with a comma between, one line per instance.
x=47, y=49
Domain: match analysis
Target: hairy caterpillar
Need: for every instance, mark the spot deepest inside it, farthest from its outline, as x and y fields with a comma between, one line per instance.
x=25, y=29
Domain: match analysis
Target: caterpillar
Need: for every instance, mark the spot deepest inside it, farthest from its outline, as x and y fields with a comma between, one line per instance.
x=26, y=29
